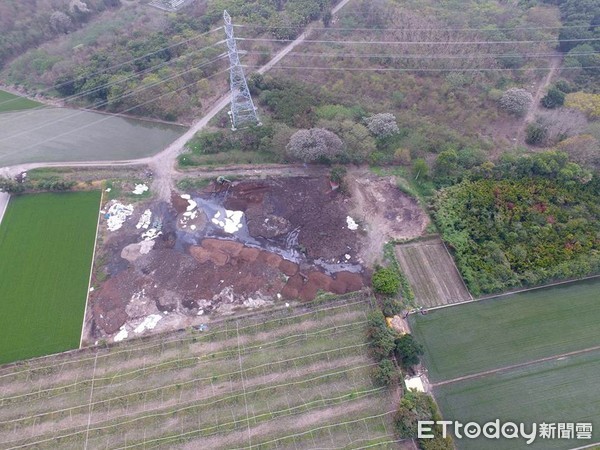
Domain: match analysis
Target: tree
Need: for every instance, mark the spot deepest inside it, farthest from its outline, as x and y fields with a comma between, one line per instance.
x=315, y=145
x=381, y=337
x=408, y=351
x=382, y=125
x=60, y=22
x=386, y=281
x=446, y=164
x=553, y=99
x=516, y=101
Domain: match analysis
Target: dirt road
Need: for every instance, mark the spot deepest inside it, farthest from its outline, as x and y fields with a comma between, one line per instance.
x=539, y=93
x=163, y=163
x=518, y=366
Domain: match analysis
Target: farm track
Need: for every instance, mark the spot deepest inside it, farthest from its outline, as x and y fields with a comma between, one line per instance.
x=517, y=366
x=307, y=371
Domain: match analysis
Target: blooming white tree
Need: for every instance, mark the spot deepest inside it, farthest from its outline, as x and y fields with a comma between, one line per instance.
x=383, y=124
x=516, y=101
x=315, y=144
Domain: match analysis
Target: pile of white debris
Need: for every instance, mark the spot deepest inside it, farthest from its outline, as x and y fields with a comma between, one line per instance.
x=140, y=189
x=190, y=213
x=117, y=214
x=230, y=222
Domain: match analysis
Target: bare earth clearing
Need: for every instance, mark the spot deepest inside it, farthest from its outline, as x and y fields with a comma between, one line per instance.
x=240, y=246
x=432, y=273
x=296, y=378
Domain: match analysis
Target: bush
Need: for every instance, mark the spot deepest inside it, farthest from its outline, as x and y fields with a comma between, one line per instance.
x=553, y=99
x=588, y=103
x=386, y=281
x=382, y=125
x=516, y=101
x=315, y=145
x=337, y=174
x=391, y=307
x=420, y=169
x=385, y=374
x=535, y=134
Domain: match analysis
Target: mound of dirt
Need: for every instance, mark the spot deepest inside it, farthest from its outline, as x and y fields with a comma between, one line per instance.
x=385, y=211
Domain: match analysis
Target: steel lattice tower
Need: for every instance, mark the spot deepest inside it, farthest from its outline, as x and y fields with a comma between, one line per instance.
x=243, y=112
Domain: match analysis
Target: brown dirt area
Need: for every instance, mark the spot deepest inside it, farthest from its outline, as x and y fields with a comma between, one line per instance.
x=385, y=211
x=240, y=246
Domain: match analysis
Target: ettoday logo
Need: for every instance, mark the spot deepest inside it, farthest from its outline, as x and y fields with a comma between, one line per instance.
x=506, y=430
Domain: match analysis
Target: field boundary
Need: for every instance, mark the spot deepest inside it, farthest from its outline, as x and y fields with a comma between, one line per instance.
x=456, y=267
x=508, y=294
x=87, y=295
x=4, y=200
x=516, y=366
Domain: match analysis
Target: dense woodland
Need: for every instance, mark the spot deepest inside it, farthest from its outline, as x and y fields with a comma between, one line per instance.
x=526, y=221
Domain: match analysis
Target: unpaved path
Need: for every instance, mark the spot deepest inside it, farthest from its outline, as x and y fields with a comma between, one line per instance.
x=4, y=198
x=539, y=93
x=517, y=366
x=163, y=163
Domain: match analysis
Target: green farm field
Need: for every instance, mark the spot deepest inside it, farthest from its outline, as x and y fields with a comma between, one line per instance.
x=11, y=102
x=46, y=247
x=509, y=330
x=564, y=390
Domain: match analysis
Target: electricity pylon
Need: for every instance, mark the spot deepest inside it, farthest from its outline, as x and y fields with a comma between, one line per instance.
x=243, y=112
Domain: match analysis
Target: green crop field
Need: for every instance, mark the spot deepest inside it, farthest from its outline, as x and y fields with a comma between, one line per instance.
x=557, y=391
x=46, y=246
x=509, y=330
x=10, y=102
x=519, y=329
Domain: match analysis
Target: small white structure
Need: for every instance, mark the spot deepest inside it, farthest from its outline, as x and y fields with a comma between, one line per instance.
x=414, y=383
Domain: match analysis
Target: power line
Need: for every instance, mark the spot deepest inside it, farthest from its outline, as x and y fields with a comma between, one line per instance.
x=125, y=62
x=417, y=56
x=318, y=41
x=416, y=69
x=415, y=29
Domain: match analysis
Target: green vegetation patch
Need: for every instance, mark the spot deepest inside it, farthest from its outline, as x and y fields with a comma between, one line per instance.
x=46, y=246
x=553, y=392
x=503, y=331
x=509, y=233
x=11, y=102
